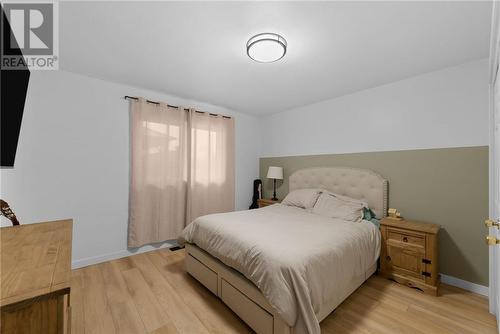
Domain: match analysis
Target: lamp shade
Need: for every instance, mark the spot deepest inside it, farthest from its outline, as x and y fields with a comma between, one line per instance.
x=275, y=173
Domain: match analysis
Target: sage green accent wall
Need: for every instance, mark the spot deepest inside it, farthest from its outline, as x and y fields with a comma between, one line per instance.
x=446, y=186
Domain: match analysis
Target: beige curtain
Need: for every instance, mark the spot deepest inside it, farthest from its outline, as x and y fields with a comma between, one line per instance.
x=182, y=167
x=211, y=177
x=158, y=174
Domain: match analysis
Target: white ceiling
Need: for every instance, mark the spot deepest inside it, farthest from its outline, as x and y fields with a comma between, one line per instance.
x=197, y=50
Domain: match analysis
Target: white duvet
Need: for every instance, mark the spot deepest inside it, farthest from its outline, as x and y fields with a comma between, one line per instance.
x=300, y=261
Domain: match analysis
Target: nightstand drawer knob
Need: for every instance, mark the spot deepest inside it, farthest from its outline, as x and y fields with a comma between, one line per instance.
x=405, y=239
x=388, y=258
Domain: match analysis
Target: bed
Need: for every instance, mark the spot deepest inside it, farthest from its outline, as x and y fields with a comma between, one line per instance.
x=282, y=269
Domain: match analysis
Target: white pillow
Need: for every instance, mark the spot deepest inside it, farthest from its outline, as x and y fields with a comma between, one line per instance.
x=302, y=198
x=340, y=207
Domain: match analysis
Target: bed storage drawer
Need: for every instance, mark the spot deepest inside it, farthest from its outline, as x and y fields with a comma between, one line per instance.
x=255, y=316
x=202, y=273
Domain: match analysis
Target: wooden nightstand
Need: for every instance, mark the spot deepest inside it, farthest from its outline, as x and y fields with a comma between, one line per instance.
x=265, y=202
x=409, y=253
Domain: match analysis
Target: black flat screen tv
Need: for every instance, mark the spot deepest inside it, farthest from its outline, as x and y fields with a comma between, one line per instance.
x=14, y=86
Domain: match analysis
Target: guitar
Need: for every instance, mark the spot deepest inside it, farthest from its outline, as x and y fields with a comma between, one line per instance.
x=6, y=211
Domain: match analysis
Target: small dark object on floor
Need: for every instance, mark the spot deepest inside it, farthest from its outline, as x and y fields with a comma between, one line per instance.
x=173, y=249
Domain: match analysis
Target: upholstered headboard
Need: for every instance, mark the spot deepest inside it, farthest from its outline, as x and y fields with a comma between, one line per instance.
x=362, y=184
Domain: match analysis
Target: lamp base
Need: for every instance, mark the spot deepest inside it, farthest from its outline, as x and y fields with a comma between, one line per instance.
x=274, y=192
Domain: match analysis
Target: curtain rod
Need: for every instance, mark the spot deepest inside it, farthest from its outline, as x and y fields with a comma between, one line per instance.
x=171, y=106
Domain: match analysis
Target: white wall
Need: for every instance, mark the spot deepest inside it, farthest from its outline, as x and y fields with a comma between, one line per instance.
x=446, y=108
x=73, y=159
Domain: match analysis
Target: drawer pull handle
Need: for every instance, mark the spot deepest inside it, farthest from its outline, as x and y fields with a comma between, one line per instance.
x=388, y=258
x=405, y=239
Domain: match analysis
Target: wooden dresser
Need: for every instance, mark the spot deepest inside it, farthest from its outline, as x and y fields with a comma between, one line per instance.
x=409, y=253
x=36, y=278
x=265, y=202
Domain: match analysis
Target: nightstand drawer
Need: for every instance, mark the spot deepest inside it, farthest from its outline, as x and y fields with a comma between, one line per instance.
x=265, y=202
x=406, y=238
x=406, y=261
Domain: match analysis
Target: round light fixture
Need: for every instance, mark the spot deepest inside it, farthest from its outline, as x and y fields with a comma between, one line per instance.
x=266, y=47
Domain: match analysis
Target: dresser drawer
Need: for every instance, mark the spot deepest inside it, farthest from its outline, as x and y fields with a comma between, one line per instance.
x=405, y=237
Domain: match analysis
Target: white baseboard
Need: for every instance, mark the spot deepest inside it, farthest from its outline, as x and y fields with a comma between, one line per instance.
x=117, y=255
x=466, y=285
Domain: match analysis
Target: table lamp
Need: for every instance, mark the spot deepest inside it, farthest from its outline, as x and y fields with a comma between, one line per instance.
x=275, y=173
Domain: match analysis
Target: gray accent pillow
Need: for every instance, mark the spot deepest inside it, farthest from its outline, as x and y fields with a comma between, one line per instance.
x=339, y=207
x=302, y=198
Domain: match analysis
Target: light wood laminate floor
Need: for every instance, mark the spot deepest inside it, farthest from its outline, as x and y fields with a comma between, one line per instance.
x=151, y=293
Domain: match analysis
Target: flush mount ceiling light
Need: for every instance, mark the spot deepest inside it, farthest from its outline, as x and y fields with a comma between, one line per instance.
x=266, y=47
